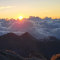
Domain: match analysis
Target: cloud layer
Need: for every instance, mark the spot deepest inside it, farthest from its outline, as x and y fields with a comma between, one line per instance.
x=38, y=27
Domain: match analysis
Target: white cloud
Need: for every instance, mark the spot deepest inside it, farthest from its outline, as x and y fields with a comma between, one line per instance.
x=37, y=27
x=6, y=7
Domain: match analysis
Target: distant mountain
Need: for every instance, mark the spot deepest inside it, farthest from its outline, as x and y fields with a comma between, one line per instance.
x=27, y=36
x=49, y=46
x=21, y=44
x=26, y=44
x=9, y=35
x=50, y=38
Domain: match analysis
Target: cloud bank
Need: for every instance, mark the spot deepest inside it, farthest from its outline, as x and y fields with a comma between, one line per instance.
x=39, y=28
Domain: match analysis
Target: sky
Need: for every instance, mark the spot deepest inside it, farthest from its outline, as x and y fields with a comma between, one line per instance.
x=26, y=8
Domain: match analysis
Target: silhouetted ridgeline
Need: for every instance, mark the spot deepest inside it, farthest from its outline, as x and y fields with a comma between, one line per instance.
x=26, y=45
x=11, y=55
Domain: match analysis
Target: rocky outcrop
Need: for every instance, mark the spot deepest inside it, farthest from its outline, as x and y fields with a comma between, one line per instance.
x=11, y=55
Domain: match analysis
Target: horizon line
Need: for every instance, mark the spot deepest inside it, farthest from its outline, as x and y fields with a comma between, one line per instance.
x=32, y=16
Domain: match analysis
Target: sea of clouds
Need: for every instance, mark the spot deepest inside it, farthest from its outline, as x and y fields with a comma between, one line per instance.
x=39, y=28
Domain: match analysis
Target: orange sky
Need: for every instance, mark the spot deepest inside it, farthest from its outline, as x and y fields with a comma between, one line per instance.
x=26, y=8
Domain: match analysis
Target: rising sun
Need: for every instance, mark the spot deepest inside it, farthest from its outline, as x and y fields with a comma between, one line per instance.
x=20, y=17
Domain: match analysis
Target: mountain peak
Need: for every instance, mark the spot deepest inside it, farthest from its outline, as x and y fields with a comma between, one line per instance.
x=26, y=33
x=27, y=36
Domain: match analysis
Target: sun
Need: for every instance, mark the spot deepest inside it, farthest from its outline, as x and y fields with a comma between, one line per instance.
x=20, y=17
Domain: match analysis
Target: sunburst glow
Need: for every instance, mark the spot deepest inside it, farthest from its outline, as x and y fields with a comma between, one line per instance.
x=20, y=17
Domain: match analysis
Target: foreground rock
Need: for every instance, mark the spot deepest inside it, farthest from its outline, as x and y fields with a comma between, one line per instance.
x=10, y=55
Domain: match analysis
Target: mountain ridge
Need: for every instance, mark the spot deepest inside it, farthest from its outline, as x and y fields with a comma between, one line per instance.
x=26, y=44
